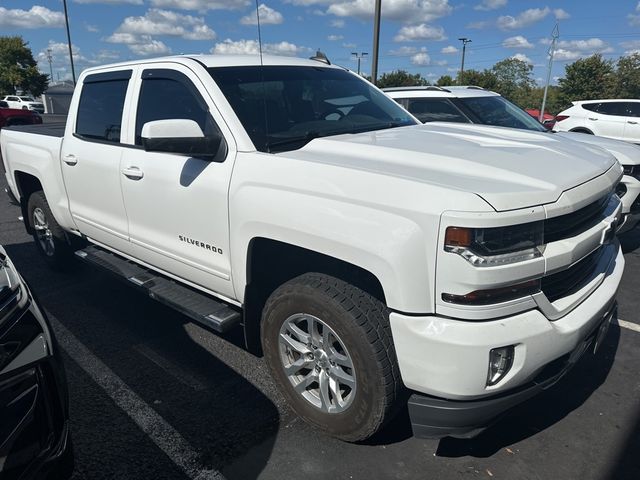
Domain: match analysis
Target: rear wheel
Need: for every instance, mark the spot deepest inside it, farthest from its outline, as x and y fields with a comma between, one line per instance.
x=328, y=345
x=49, y=237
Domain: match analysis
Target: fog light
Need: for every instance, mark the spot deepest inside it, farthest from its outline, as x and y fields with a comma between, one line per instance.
x=500, y=362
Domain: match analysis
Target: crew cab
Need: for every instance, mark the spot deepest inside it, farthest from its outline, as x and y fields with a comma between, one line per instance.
x=370, y=258
x=24, y=102
x=13, y=116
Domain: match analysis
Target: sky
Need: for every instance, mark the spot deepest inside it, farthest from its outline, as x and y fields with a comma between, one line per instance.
x=421, y=36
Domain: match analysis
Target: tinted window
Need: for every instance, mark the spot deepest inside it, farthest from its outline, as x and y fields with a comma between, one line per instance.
x=3, y=104
x=435, y=110
x=100, y=110
x=170, y=98
x=13, y=99
x=633, y=109
x=499, y=112
x=285, y=107
x=592, y=107
x=612, y=108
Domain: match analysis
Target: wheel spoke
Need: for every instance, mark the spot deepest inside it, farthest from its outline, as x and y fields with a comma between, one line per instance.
x=326, y=342
x=335, y=391
x=324, y=391
x=300, y=334
x=313, y=330
x=342, y=377
x=306, y=381
x=340, y=359
x=296, y=345
x=295, y=367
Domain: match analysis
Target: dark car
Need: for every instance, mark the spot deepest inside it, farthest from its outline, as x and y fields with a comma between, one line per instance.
x=14, y=116
x=34, y=413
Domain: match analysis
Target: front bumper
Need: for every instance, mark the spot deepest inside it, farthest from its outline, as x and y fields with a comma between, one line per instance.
x=630, y=204
x=433, y=417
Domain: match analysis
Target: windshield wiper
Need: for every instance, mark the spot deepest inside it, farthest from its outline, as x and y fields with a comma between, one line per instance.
x=304, y=139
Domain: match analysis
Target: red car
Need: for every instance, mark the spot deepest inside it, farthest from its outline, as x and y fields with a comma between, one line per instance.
x=14, y=116
x=548, y=120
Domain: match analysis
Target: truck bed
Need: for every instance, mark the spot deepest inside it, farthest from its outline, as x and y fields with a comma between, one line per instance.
x=48, y=129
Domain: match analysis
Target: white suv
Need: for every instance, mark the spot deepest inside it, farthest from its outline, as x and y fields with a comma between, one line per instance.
x=476, y=105
x=619, y=119
x=24, y=103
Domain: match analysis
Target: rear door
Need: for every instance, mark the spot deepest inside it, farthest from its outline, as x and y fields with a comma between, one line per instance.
x=608, y=119
x=632, y=127
x=177, y=206
x=91, y=153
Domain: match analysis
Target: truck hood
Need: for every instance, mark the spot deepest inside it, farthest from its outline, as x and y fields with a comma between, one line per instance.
x=626, y=153
x=508, y=168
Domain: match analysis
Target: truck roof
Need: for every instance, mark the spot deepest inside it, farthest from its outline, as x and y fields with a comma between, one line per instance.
x=221, y=61
x=433, y=91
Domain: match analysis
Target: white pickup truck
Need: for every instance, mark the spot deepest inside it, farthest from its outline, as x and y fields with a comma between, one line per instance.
x=374, y=261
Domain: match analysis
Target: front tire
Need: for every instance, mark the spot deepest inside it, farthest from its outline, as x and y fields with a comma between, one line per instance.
x=49, y=237
x=328, y=346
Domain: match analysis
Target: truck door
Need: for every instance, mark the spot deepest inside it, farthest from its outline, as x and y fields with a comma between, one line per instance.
x=91, y=153
x=177, y=205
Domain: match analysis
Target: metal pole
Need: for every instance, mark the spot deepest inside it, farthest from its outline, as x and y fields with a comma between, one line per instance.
x=552, y=51
x=359, y=57
x=376, y=42
x=50, y=58
x=464, y=41
x=66, y=19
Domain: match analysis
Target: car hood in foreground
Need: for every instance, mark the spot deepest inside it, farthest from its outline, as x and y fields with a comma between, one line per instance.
x=508, y=168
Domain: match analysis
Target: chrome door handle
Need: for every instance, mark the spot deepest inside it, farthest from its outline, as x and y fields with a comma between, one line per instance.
x=632, y=122
x=133, y=173
x=593, y=119
x=70, y=159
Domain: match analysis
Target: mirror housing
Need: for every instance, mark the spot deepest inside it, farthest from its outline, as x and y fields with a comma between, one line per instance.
x=180, y=136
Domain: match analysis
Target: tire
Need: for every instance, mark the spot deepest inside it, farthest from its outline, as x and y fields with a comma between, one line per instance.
x=582, y=130
x=358, y=332
x=49, y=237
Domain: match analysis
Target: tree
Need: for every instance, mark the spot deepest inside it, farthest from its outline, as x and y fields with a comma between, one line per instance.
x=587, y=79
x=18, y=68
x=627, y=84
x=514, y=79
x=485, y=79
x=445, y=81
x=401, y=78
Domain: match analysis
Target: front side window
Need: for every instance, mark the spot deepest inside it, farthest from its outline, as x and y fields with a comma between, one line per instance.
x=165, y=95
x=500, y=112
x=285, y=107
x=436, y=110
x=100, y=110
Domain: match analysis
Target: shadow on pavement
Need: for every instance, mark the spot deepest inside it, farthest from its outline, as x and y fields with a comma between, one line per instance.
x=630, y=241
x=155, y=352
x=627, y=464
x=542, y=411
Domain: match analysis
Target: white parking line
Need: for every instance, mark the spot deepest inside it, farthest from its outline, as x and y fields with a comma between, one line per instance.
x=630, y=325
x=171, y=368
x=165, y=437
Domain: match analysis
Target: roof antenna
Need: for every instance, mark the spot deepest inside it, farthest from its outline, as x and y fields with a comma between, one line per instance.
x=320, y=57
x=264, y=90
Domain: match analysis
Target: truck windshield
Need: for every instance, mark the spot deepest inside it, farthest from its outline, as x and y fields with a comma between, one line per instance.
x=500, y=112
x=285, y=107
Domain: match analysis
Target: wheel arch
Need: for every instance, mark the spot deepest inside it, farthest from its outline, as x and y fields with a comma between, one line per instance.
x=581, y=130
x=26, y=184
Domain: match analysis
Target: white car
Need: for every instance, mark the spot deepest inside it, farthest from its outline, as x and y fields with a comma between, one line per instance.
x=476, y=105
x=23, y=102
x=619, y=119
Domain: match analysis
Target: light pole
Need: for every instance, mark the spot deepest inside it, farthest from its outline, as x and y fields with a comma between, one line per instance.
x=552, y=50
x=464, y=41
x=50, y=58
x=359, y=56
x=376, y=42
x=66, y=19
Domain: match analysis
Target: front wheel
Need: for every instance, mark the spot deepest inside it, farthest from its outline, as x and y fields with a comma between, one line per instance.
x=49, y=237
x=329, y=347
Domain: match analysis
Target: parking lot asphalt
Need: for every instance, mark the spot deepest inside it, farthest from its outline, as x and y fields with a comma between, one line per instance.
x=154, y=396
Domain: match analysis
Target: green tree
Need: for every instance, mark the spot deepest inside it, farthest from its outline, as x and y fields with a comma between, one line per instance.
x=587, y=79
x=514, y=80
x=485, y=79
x=18, y=68
x=627, y=78
x=445, y=81
x=401, y=78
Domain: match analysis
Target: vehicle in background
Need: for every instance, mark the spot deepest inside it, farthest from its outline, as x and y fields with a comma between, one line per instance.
x=477, y=105
x=13, y=116
x=24, y=102
x=34, y=427
x=618, y=119
x=373, y=260
x=548, y=120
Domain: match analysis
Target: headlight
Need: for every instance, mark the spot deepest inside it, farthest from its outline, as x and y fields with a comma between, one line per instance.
x=487, y=247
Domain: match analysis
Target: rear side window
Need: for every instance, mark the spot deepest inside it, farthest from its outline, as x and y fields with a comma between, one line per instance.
x=592, y=107
x=168, y=94
x=101, y=106
x=633, y=109
x=617, y=109
x=435, y=110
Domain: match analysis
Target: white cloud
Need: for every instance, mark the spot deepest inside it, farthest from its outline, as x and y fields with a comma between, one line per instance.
x=91, y=28
x=349, y=45
x=449, y=50
x=334, y=38
x=522, y=57
x=632, y=46
x=397, y=10
x=574, y=49
x=268, y=16
x=202, y=5
x=150, y=48
x=524, y=19
x=423, y=31
x=517, y=42
x=561, y=14
x=165, y=22
x=251, y=47
x=337, y=23
x=441, y=63
x=36, y=17
x=111, y=2
x=490, y=5
x=422, y=58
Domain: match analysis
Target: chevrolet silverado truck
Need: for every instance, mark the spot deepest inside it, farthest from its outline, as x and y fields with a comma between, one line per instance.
x=374, y=261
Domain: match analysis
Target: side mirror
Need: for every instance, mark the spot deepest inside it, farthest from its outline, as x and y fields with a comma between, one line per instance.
x=179, y=136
